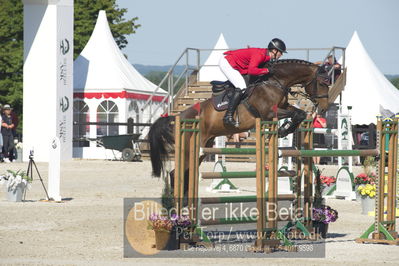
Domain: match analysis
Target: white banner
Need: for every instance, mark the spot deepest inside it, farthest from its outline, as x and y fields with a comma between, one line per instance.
x=54, y=170
x=48, y=77
x=65, y=79
x=345, y=139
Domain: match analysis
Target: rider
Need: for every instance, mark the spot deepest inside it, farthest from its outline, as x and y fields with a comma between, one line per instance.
x=246, y=61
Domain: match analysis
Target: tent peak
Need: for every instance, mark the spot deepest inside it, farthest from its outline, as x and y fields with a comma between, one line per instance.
x=102, y=65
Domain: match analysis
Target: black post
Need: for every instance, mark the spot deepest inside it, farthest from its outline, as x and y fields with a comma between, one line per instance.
x=130, y=125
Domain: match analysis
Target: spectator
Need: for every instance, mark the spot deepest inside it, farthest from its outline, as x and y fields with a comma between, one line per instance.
x=318, y=122
x=7, y=133
x=238, y=137
x=329, y=64
x=15, y=121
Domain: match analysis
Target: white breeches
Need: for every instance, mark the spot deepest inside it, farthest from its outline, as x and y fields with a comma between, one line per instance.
x=233, y=75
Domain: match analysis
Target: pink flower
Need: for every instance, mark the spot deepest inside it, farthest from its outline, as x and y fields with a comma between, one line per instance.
x=363, y=178
x=327, y=180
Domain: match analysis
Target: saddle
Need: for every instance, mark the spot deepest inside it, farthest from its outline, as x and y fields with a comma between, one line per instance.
x=222, y=91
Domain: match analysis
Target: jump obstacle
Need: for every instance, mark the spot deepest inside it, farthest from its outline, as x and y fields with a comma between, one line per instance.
x=222, y=185
x=269, y=237
x=384, y=228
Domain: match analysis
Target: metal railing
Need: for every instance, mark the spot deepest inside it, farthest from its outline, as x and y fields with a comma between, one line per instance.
x=172, y=81
x=332, y=52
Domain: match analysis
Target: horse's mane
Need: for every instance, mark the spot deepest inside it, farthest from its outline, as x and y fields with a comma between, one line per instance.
x=279, y=65
x=291, y=61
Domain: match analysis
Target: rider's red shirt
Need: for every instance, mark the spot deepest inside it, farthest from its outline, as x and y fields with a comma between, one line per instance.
x=318, y=124
x=247, y=61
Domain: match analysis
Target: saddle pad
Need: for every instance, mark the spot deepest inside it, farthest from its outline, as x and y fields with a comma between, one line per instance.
x=220, y=101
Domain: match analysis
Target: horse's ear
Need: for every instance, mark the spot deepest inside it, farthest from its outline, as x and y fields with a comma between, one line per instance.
x=322, y=75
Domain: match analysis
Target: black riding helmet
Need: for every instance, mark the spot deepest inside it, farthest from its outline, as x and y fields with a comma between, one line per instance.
x=278, y=44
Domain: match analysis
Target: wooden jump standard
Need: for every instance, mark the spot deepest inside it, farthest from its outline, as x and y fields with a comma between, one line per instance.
x=383, y=230
x=188, y=129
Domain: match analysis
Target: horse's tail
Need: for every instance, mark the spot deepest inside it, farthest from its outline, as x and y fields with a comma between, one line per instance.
x=160, y=137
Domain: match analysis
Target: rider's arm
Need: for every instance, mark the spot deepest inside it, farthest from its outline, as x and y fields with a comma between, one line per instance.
x=253, y=66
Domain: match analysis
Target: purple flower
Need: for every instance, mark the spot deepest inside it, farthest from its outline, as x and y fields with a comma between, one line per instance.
x=162, y=222
x=183, y=221
x=324, y=214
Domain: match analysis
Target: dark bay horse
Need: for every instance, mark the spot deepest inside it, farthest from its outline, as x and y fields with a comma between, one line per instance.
x=269, y=97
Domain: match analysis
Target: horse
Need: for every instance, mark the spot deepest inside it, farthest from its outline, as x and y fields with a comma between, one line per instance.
x=269, y=98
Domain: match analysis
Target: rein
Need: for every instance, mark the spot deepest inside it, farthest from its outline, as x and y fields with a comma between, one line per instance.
x=285, y=89
x=306, y=95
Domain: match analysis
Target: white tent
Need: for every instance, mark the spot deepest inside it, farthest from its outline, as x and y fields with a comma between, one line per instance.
x=210, y=70
x=102, y=66
x=367, y=90
x=107, y=88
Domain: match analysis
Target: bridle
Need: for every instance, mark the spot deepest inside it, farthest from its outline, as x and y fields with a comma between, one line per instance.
x=318, y=78
x=287, y=90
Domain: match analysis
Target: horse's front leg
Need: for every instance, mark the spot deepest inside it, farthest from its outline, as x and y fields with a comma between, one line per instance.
x=288, y=127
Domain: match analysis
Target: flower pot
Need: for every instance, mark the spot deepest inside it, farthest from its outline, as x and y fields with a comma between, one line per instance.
x=320, y=228
x=15, y=195
x=166, y=240
x=18, y=159
x=368, y=204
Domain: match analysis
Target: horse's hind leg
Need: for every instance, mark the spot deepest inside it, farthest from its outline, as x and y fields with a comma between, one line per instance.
x=172, y=179
x=288, y=127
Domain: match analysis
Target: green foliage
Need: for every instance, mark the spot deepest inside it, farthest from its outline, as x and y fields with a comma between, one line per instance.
x=157, y=76
x=21, y=173
x=85, y=17
x=368, y=164
x=167, y=197
x=11, y=40
x=395, y=82
x=318, y=198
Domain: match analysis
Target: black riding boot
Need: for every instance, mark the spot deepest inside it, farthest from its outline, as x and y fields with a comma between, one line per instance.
x=228, y=119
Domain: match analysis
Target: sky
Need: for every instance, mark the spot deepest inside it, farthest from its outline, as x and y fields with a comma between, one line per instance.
x=168, y=27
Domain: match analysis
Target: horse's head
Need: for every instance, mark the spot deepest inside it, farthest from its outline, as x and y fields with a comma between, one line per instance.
x=317, y=89
x=290, y=72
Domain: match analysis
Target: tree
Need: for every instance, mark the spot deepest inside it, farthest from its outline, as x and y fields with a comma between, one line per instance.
x=11, y=53
x=157, y=76
x=395, y=82
x=85, y=17
x=11, y=39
